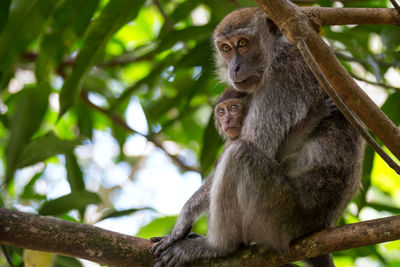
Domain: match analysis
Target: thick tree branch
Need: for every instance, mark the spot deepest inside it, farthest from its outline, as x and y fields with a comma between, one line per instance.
x=296, y=26
x=72, y=239
x=301, y=45
x=95, y=244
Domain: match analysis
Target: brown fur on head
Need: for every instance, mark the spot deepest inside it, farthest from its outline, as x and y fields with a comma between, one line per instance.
x=237, y=21
x=243, y=40
x=231, y=94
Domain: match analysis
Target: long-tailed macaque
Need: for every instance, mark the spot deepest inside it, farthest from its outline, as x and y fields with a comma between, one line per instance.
x=264, y=190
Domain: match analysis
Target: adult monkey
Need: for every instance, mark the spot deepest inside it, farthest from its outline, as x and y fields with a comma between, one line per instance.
x=258, y=194
x=229, y=113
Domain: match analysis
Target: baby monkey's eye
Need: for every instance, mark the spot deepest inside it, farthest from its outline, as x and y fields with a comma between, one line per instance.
x=234, y=107
x=225, y=48
x=221, y=112
x=242, y=43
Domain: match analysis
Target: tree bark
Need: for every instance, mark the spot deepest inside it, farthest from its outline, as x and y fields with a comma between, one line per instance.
x=297, y=26
x=72, y=239
x=345, y=16
x=110, y=248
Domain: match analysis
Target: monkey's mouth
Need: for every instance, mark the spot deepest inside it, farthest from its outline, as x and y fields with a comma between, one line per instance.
x=247, y=83
x=232, y=131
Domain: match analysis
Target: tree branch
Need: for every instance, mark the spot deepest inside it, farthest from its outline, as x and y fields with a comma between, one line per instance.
x=297, y=26
x=36, y=232
x=343, y=16
x=120, y=122
x=396, y=6
x=301, y=45
x=167, y=20
x=72, y=239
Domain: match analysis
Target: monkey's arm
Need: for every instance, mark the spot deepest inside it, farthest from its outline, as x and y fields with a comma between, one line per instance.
x=298, y=136
x=193, y=208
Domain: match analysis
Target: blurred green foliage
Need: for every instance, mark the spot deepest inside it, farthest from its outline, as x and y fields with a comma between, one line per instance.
x=69, y=68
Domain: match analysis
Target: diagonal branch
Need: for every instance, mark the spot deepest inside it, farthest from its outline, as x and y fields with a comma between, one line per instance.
x=296, y=26
x=301, y=45
x=396, y=6
x=35, y=232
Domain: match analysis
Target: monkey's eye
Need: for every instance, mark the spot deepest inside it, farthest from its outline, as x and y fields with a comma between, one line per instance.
x=242, y=43
x=225, y=48
x=221, y=112
x=234, y=107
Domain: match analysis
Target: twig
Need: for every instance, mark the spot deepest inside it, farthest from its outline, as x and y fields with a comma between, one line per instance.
x=119, y=121
x=361, y=61
x=384, y=85
x=349, y=115
x=168, y=21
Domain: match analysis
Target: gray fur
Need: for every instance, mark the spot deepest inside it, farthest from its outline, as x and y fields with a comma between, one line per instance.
x=266, y=188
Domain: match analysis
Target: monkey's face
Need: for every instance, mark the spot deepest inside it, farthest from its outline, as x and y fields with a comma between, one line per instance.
x=229, y=115
x=240, y=55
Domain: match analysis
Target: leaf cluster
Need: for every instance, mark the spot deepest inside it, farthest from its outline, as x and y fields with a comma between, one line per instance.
x=71, y=68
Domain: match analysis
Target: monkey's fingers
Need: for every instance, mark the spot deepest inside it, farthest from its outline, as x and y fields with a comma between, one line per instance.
x=156, y=238
x=169, y=259
x=160, y=246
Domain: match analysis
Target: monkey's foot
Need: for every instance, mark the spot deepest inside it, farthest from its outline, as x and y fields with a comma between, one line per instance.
x=177, y=254
x=162, y=244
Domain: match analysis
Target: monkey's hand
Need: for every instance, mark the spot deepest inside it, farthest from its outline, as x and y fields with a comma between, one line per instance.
x=162, y=243
x=330, y=106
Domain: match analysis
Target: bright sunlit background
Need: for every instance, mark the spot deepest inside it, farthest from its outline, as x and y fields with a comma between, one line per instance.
x=135, y=174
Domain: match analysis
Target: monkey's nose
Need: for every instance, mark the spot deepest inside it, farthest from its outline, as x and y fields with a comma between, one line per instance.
x=237, y=67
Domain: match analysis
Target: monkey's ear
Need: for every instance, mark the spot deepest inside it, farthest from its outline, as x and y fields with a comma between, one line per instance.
x=272, y=28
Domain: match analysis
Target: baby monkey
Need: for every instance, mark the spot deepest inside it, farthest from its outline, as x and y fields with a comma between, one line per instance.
x=230, y=112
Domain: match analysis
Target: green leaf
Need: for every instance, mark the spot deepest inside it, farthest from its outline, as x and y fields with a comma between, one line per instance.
x=325, y=3
x=74, y=173
x=391, y=107
x=158, y=227
x=44, y=147
x=121, y=213
x=25, y=22
x=69, y=22
x=29, y=192
x=4, y=8
x=75, y=200
x=85, y=120
x=25, y=121
x=220, y=8
x=63, y=261
x=211, y=145
x=200, y=226
x=112, y=18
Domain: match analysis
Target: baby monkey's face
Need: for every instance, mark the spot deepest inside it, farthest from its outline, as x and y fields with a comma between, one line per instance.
x=230, y=114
